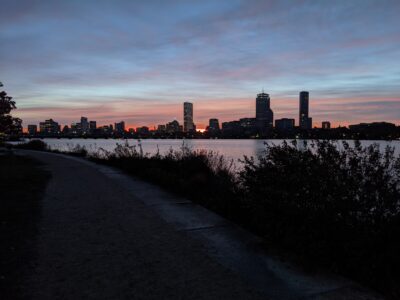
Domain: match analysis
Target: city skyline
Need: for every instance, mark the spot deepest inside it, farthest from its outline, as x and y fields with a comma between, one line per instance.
x=263, y=115
x=140, y=61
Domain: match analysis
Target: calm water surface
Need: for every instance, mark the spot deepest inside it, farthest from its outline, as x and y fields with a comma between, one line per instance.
x=231, y=149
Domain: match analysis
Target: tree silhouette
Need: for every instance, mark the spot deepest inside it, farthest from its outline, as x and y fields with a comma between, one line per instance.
x=8, y=124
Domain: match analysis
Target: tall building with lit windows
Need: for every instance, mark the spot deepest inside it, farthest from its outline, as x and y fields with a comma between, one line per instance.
x=188, y=124
x=264, y=113
x=305, y=122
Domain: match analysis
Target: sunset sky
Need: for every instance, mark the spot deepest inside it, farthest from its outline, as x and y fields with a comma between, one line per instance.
x=138, y=61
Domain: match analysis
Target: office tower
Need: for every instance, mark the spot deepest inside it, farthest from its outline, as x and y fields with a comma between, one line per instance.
x=84, y=124
x=92, y=125
x=304, y=121
x=213, y=124
x=284, y=124
x=326, y=125
x=120, y=127
x=49, y=127
x=264, y=114
x=32, y=129
x=188, y=124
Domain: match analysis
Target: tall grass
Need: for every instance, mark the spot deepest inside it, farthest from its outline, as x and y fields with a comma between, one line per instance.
x=204, y=176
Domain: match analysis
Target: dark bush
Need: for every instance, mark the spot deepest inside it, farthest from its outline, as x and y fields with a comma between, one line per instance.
x=332, y=208
x=33, y=145
x=203, y=176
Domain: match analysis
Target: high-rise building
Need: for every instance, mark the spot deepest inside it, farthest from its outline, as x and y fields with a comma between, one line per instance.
x=32, y=129
x=213, y=124
x=326, y=125
x=76, y=128
x=284, y=124
x=120, y=127
x=92, y=125
x=304, y=121
x=84, y=124
x=188, y=124
x=49, y=127
x=264, y=113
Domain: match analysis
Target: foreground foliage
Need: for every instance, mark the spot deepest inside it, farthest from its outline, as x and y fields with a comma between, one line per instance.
x=203, y=176
x=8, y=124
x=334, y=208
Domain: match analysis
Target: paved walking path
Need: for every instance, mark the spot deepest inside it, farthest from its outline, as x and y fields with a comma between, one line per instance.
x=104, y=235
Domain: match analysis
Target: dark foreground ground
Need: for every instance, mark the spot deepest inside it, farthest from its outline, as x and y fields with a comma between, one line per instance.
x=22, y=185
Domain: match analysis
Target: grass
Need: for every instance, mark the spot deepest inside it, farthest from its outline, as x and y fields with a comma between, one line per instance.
x=22, y=183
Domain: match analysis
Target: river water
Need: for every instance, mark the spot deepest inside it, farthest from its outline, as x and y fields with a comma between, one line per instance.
x=231, y=149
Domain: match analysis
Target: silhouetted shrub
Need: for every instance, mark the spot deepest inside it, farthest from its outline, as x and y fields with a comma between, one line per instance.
x=33, y=145
x=330, y=207
x=203, y=176
x=78, y=150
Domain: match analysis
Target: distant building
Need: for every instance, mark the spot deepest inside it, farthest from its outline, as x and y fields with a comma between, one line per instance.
x=213, y=124
x=76, y=128
x=106, y=129
x=120, y=127
x=65, y=129
x=305, y=122
x=326, y=125
x=173, y=127
x=264, y=113
x=92, y=125
x=231, y=129
x=32, y=129
x=375, y=126
x=144, y=130
x=188, y=124
x=284, y=124
x=161, y=128
x=84, y=125
x=49, y=127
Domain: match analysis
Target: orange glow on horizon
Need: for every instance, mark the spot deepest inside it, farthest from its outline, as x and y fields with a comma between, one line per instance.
x=339, y=111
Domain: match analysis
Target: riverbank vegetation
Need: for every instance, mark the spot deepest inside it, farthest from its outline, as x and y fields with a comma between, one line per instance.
x=22, y=183
x=324, y=204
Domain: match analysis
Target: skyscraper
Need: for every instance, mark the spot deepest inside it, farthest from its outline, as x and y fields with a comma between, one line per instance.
x=188, y=124
x=84, y=124
x=213, y=124
x=264, y=113
x=304, y=121
x=32, y=129
x=92, y=125
x=120, y=127
x=49, y=127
